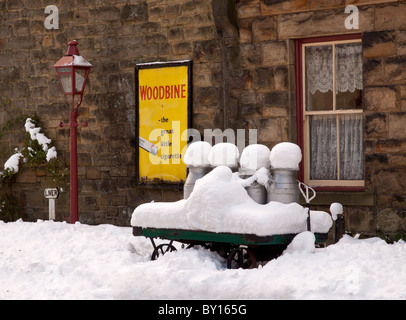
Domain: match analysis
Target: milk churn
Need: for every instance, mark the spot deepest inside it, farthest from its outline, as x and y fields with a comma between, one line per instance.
x=194, y=174
x=283, y=186
x=255, y=190
x=196, y=159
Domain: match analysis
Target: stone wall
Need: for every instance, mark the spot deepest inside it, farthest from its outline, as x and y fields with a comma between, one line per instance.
x=243, y=55
x=114, y=37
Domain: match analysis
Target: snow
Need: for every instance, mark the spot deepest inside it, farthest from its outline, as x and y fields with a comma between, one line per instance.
x=197, y=154
x=13, y=162
x=336, y=209
x=285, y=155
x=261, y=176
x=224, y=154
x=219, y=203
x=56, y=260
x=254, y=157
x=79, y=61
x=51, y=154
x=303, y=242
x=35, y=134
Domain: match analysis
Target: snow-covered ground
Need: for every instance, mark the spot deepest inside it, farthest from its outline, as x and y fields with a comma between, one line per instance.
x=56, y=260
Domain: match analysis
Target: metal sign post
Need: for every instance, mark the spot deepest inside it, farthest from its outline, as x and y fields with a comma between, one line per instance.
x=51, y=194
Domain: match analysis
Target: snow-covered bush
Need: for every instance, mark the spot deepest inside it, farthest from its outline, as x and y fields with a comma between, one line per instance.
x=38, y=151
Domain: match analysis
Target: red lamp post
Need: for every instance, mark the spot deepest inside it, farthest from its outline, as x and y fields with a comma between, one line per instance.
x=73, y=70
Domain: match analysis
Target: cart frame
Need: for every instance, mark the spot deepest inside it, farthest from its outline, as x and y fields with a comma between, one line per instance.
x=241, y=250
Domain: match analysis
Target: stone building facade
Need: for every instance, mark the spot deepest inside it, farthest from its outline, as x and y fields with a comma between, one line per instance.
x=245, y=76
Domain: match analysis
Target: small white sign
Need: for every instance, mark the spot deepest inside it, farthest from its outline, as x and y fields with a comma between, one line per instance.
x=51, y=193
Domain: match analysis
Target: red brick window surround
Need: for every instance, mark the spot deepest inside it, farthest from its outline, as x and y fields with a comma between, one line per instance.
x=329, y=88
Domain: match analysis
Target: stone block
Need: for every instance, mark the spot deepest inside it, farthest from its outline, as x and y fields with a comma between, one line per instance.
x=326, y=4
x=105, y=13
x=206, y=51
x=26, y=176
x=118, y=171
x=263, y=79
x=276, y=99
x=376, y=124
x=250, y=55
x=396, y=125
x=382, y=98
x=273, y=7
x=118, y=200
x=373, y=72
x=390, y=16
x=182, y=47
x=249, y=9
x=379, y=44
x=21, y=27
x=175, y=34
x=88, y=203
x=391, y=146
x=321, y=23
x=245, y=31
x=136, y=12
x=395, y=71
x=36, y=199
x=158, y=37
x=264, y=29
x=269, y=130
x=239, y=79
x=92, y=173
x=250, y=109
x=207, y=97
x=391, y=221
x=199, y=33
x=275, y=53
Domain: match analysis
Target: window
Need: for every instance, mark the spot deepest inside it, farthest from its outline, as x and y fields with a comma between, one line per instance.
x=331, y=115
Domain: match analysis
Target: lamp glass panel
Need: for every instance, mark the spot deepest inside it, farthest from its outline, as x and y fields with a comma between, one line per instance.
x=66, y=82
x=80, y=79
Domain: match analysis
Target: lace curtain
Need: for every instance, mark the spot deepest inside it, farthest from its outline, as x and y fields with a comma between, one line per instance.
x=319, y=68
x=348, y=67
x=323, y=147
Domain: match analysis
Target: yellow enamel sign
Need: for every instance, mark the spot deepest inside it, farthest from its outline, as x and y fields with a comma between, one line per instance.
x=163, y=105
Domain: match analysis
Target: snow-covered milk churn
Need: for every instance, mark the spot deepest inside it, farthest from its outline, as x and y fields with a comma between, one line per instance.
x=194, y=174
x=254, y=166
x=224, y=154
x=283, y=187
x=196, y=159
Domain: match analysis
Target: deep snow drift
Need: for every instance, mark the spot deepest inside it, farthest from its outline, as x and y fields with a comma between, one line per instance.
x=55, y=260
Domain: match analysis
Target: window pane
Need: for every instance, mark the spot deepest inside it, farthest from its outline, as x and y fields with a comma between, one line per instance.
x=351, y=147
x=349, y=100
x=323, y=147
x=319, y=77
x=348, y=84
x=80, y=79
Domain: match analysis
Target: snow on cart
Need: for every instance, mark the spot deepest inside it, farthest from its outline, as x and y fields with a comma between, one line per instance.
x=246, y=216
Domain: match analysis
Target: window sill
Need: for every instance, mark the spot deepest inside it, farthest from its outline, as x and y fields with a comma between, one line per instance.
x=352, y=198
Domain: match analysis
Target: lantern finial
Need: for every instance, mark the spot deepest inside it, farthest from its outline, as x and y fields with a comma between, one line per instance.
x=72, y=49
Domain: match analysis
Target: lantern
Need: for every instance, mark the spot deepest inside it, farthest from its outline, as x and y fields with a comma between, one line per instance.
x=72, y=71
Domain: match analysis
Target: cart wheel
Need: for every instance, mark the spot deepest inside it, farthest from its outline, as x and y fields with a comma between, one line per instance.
x=241, y=258
x=161, y=250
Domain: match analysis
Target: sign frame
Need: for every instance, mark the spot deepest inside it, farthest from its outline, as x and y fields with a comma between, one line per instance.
x=160, y=183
